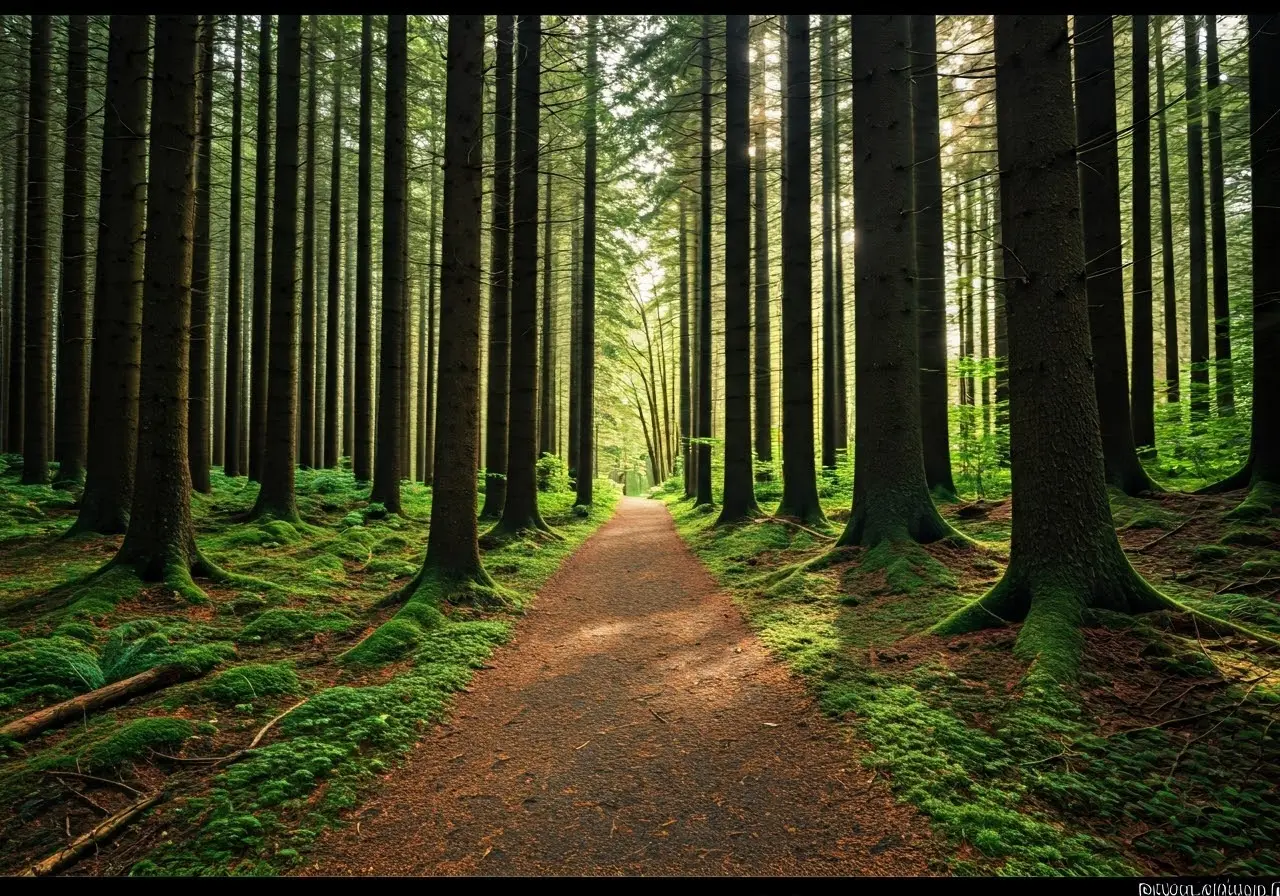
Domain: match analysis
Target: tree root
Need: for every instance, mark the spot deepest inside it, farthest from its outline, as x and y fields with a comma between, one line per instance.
x=1237, y=480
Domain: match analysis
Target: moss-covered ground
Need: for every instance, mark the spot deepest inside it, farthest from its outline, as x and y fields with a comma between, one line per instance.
x=1163, y=757
x=279, y=642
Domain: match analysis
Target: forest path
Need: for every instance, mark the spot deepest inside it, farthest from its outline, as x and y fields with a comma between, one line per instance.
x=634, y=725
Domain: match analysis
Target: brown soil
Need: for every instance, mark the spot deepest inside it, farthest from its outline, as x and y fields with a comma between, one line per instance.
x=633, y=726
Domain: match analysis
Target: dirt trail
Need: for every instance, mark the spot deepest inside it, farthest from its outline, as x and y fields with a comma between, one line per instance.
x=634, y=725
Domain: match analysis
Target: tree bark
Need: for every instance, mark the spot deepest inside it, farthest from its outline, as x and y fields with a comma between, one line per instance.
x=1173, y=385
x=71, y=410
x=827, y=104
x=547, y=364
x=201, y=279
x=763, y=324
x=333, y=294
x=1142, y=387
x=117, y=295
x=1225, y=387
x=18, y=283
x=389, y=460
x=686, y=350
x=307, y=342
x=703, y=449
x=930, y=261
x=1196, y=210
x=262, y=254
x=1065, y=556
x=799, y=482
x=277, y=498
x=36, y=385
x=586, y=451
x=362, y=462
x=233, y=431
x=433, y=276
x=575, y=346
x=348, y=342
x=1099, y=164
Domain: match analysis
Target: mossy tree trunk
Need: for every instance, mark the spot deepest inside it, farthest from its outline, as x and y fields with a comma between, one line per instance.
x=739, y=500
x=799, y=480
x=1142, y=385
x=1173, y=387
x=586, y=450
x=931, y=276
x=362, y=463
x=520, y=510
x=307, y=332
x=1099, y=164
x=1223, y=380
x=201, y=281
x=333, y=293
x=1065, y=556
x=259, y=338
x=890, y=496
x=499, y=356
x=160, y=543
x=277, y=498
x=1199, y=276
x=38, y=300
x=389, y=460
x=117, y=296
x=71, y=408
x=233, y=430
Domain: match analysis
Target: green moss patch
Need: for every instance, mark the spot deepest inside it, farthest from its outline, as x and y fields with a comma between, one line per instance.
x=253, y=681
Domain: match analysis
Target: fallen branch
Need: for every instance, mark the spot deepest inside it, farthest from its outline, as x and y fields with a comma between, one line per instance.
x=786, y=522
x=78, y=707
x=107, y=829
x=58, y=773
x=230, y=757
x=1178, y=528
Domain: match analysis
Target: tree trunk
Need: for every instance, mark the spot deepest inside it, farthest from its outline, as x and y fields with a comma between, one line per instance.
x=686, y=350
x=827, y=104
x=930, y=261
x=1099, y=164
x=117, y=294
x=704, y=281
x=837, y=272
x=1142, y=387
x=362, y=462
x=307, y=342
x=1065, y=555
x=18, y=283
x=258, y=350
x=763, y=332
x=453, y=550
x=388, y=461
x=276, y=498
x=586, y=450
x=575, y=347
x=233, y=431
x=36, y=385
x=433, y=276
x=547, y=364
x=201, y=279
x=890, y=498
x=160, y=543
x=739, y=501
x=1195, y=208
x=1001, y=335
x=333, y=294
x=1218, y=221
x=984, y=310
x=408, y=318
x=520, y=511
x=1172, y=382
x=348, y=342
x=218, y=410
x=799, y=482
x=72, y=408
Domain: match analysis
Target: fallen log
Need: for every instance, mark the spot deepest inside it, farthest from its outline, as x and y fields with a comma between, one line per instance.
x=78, y=707
x=100, y=833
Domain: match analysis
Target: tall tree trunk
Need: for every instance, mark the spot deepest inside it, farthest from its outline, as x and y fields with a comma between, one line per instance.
x=307, y=342
x=686, y=350
x=160, y=543
x=276, y=498
x=362, y=463
x=1001, y=335
x=35, y=387
x=969, y=229
x=348, y=341
x=520, y=512
x=1196, y=210
x=410, y=320
x=117, y=294
x=547, y=364
x=837, y=271
x=890, y=497
x=1104, y=269
x=218, y=335
x=799, y=482
x=930, y=261
x=1142, y=387
x=388, y=460
x=17, y=281
x=1218, y=221
x=333, y=294
x=262, y=255
x=575, y=348
x=499, y=355
x=433, y=276
x=586, y=450
x=1172, y=383
x=984, y=310
x=233, y=432
x=763, y=332
x=704, y=281
x=201, y=281
x=739, y=493
x=1057, y=449
x=827, y=103
x=72, y=408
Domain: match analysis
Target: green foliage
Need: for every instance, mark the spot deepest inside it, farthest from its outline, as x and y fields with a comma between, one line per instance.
x=52, y=668
x=253, y=681
x=553, y=474
x=281, y=625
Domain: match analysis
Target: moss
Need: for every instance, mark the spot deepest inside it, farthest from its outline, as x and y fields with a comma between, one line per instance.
x=908, y=568
x=1251, y=537
x=143, y=644
x=136, y=740
x=293, y=625
x=252, y=681
x=1261, y=502
x=9, y=636
x=1206, y=552
x=78, y=630
x=56, y=667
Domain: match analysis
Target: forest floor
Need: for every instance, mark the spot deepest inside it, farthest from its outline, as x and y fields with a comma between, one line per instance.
x=281, y=641
x=633, y=725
